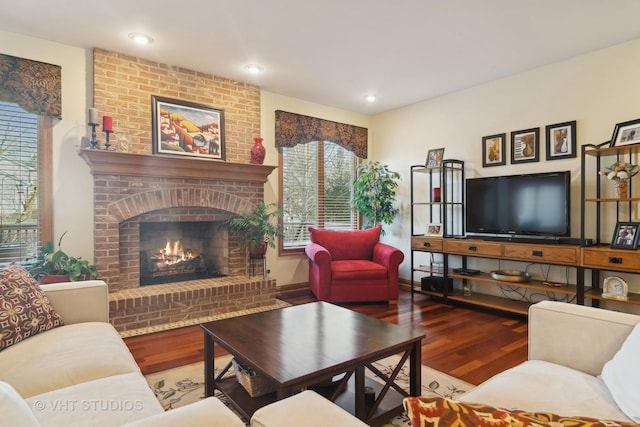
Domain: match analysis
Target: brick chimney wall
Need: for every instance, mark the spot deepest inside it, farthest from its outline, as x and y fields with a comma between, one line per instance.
x=123, y=86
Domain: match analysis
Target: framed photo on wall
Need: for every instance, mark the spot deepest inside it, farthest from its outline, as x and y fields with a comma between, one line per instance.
x=626, y=133
x=434, y=158
x=494, y=150
x=626, y=235
x=187, y=129
x=561, y=140
x=525, y=145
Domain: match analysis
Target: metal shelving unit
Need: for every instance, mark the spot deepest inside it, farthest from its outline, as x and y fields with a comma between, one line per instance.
x=599, y=210
x=437, y=197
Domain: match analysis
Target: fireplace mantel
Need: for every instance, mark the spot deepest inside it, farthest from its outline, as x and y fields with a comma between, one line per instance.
x=118, y=163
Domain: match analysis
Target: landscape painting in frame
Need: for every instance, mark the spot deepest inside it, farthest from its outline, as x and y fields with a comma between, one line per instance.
x=187, y=129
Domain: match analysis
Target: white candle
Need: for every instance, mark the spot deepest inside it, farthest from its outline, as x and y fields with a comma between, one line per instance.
x=93, y=116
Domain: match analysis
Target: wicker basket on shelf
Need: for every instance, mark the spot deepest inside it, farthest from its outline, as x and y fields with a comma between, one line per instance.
x=252, y=382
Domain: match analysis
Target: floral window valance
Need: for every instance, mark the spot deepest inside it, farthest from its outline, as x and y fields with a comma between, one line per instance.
x=293, y=129
x=34, y=86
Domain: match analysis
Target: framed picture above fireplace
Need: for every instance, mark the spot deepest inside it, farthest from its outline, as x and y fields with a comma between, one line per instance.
x=187, y=129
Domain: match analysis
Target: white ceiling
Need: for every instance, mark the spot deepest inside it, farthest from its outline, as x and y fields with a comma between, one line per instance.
x=335, y=52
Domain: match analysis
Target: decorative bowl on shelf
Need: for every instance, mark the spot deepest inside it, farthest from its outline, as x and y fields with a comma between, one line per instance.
x=511, y=275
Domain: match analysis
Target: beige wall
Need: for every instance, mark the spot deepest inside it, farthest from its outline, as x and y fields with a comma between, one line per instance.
x=597, y=90
x=293, y=268
x=72, y=183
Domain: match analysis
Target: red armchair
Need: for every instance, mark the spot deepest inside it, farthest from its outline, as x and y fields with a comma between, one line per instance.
x=350, y=266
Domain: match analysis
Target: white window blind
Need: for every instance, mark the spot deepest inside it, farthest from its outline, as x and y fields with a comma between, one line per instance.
x=339, y=174
x=18, y=183
x=317, y=190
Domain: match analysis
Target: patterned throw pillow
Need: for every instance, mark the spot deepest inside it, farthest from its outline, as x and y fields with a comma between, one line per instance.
x=25, y=310
x=436, y=411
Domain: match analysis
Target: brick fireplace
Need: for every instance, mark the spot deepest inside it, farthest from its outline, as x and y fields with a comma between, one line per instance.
x=133, y=189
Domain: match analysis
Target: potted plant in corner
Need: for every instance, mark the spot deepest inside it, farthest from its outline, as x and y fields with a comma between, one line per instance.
x=375, y=192
x=257, y=229
x=54, y=266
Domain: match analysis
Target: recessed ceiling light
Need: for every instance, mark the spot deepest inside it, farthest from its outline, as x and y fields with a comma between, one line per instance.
x=253, y=68
x=370, y=98
x=141, y=38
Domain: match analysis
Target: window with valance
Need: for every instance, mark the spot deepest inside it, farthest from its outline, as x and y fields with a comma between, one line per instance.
x=317, y=163
x=34, y=86
x=293, y=129
x=30, y=99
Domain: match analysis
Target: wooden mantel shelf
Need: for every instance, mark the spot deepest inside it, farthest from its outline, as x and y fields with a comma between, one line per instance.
x=118, y=163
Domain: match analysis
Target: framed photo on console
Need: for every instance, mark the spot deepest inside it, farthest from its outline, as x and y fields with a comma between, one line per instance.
x=561, y=140
x=525, y=145
x=626, y=235
x=184, y=128
x=493, y=150
x=626, y=133
x=434, y=229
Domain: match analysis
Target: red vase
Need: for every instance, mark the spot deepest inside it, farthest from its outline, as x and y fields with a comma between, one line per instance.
x=258, y=251
x=257, y=152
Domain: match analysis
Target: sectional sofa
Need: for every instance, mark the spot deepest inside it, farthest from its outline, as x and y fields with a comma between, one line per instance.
x=582, y=370
x=81, y=373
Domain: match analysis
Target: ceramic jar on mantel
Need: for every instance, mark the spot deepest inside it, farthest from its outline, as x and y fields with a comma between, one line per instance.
x=257, y=151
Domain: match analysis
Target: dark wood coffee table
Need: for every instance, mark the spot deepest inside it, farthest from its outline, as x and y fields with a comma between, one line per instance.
x=308, y=346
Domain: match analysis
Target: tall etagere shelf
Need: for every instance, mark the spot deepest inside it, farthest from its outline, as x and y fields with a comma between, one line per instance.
x=600, y=211
x=437, y=197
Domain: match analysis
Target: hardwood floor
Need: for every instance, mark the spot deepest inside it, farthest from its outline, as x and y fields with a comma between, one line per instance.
x=467, y=344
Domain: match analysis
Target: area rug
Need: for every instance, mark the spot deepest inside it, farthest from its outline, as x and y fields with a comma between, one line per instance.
x=183, y=385
x=191, y=322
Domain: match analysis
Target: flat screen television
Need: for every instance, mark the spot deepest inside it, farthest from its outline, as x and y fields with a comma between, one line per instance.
x=529, y=205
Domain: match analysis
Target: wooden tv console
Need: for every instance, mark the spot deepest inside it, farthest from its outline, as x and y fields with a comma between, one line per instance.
x=433, y=257
x=539, y=253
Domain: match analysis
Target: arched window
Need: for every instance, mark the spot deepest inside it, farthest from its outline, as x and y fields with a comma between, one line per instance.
x=29, y=100
x=317, y=169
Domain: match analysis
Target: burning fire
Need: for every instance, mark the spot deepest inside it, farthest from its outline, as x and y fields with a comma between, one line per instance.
x=173, y=253
x=171, y=260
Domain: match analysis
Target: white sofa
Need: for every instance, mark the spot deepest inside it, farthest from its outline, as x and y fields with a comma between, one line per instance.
x=82, y=374
x=569, y=346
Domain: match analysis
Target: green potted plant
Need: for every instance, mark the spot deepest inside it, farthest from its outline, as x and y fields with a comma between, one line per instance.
x=257, y=228
x=375, y=192
x=54, y=266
